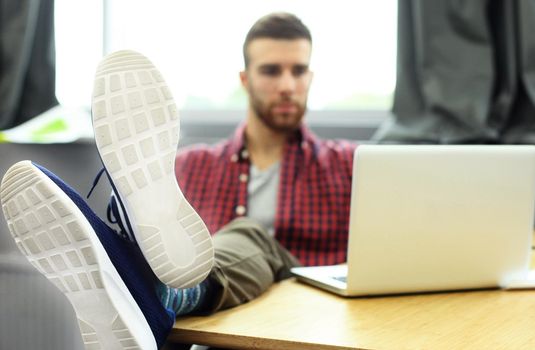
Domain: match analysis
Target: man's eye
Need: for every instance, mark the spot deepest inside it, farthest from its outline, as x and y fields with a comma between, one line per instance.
x=299, y=70
x=270, y=70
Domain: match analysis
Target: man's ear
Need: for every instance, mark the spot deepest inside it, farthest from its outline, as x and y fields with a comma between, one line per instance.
x=244, y=79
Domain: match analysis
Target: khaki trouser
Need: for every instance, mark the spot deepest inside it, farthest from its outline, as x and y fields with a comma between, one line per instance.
x=247, y=262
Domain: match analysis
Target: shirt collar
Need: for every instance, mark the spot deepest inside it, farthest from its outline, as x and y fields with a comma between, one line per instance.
x=237, y=144
x=304, y=137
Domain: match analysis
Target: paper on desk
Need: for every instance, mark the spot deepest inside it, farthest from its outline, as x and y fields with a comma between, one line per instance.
x=57, y=125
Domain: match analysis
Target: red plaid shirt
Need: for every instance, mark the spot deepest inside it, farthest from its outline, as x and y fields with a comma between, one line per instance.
x=312, y=215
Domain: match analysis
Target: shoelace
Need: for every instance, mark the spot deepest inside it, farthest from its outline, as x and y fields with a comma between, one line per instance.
x=113, y=213
x=95, y=182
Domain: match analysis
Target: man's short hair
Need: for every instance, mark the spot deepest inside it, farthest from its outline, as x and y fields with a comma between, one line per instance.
x=279, y=25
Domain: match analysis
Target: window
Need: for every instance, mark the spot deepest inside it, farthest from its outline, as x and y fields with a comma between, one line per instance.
x=79, y=32
x=197, y=46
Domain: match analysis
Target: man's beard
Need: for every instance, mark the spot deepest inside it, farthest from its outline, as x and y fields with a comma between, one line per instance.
x=290, y=121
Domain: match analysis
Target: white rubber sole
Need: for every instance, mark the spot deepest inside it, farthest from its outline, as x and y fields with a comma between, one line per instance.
x=136, y=127
x=59, y=241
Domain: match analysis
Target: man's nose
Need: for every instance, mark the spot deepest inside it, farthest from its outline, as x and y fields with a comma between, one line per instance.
x=287, y=83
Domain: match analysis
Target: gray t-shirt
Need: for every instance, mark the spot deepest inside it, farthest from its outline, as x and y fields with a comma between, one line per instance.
x=262, y=195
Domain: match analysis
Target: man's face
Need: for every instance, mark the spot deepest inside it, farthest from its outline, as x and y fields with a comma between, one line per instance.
x=277, y=81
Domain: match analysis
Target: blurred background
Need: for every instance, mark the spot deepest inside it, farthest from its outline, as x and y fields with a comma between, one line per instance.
x=386, y=71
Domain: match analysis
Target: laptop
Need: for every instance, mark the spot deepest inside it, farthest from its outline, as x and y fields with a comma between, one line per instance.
x=435, y=218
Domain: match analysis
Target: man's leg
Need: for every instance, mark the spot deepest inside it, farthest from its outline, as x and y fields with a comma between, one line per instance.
x=136, y=130
x=247, y=262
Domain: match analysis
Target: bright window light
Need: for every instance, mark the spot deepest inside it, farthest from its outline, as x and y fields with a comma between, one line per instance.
x=79, y=31
x=198, y=47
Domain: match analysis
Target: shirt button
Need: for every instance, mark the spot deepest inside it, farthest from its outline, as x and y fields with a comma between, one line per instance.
x=234, y=158
x=245, y=154
x=240, y=210
x=244, y=177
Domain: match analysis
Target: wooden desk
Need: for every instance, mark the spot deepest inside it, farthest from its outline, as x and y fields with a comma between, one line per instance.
x=292, y=315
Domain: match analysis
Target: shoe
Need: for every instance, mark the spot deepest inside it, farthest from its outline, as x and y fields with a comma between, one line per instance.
x=136, y=128
x=101, y=274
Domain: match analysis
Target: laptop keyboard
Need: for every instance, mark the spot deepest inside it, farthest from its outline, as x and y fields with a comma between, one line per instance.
x=341, y=278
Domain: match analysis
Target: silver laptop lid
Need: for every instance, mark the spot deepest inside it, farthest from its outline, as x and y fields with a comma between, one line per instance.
x=427, y=218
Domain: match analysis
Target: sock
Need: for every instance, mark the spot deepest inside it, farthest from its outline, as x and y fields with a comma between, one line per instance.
x=184, y=301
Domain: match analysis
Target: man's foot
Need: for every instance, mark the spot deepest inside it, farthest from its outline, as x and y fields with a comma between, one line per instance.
x=136, y=130
x=54, y=234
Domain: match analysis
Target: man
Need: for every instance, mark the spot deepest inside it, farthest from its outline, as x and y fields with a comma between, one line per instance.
x=273, y=169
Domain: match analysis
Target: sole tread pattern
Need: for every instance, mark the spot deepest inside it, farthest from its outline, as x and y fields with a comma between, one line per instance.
x=137, y=131
x=55, y=240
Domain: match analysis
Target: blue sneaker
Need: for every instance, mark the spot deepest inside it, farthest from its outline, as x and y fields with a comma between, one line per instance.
x=105, y=277
x=136, y=128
